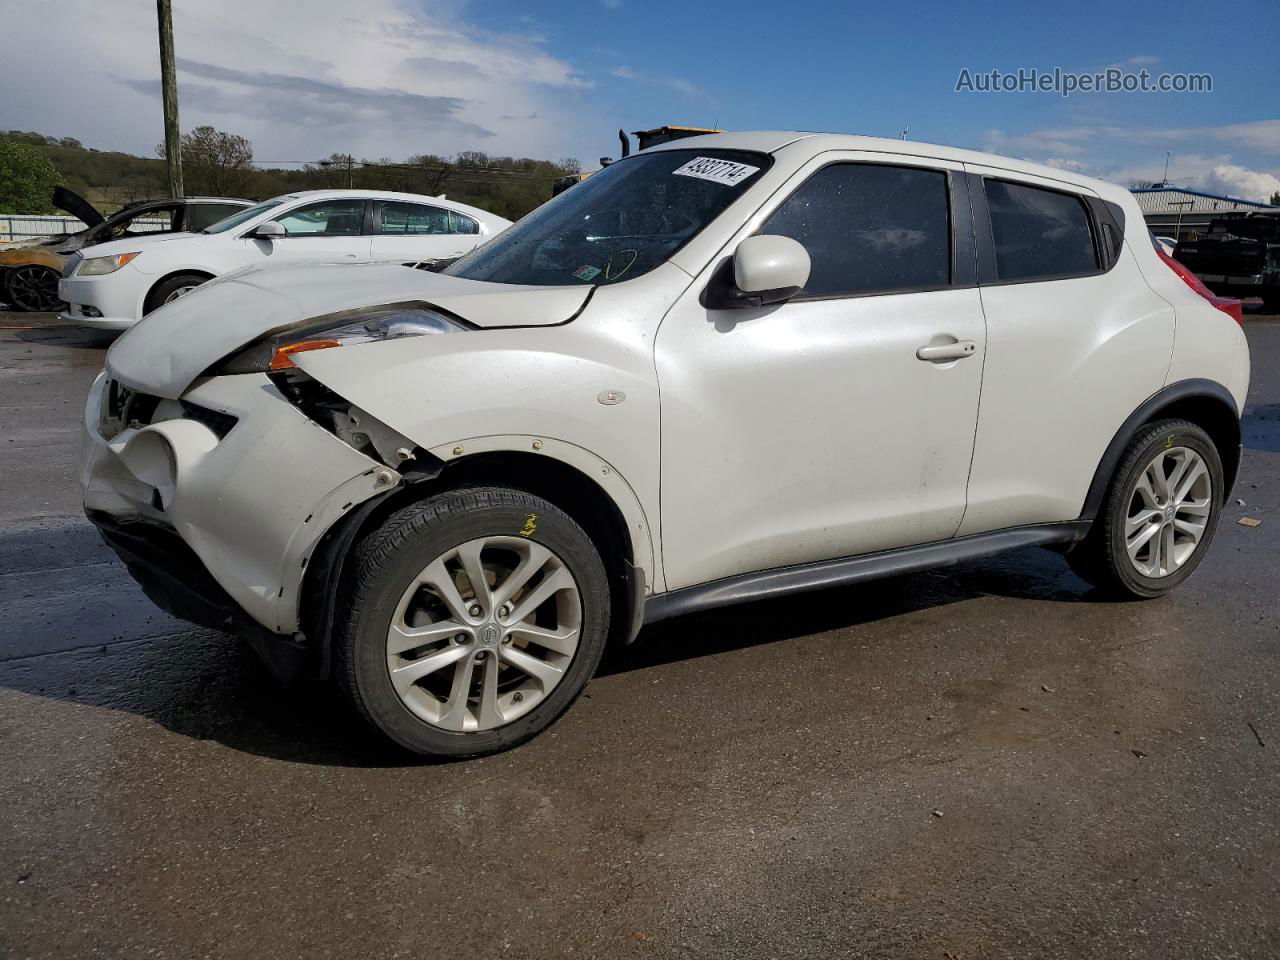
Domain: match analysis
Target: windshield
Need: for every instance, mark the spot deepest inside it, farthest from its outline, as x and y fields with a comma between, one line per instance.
x=617, y=224
x=243, y=216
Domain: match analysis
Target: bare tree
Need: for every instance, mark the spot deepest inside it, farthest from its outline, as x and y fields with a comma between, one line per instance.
x=472, y=160
x=435, y=169
x=215, y=163
x=570, y=165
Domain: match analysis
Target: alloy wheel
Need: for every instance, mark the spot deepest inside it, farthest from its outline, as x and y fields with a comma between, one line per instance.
x=1168, y=512
x=484, y=633
x=180, y=292
x=34, y=288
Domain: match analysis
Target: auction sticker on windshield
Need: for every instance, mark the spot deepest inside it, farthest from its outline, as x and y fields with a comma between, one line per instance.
x=716, y=170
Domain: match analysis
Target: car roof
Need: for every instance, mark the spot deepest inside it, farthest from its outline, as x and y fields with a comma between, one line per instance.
x=387, y=195
x=774, y=141
x=375, y=194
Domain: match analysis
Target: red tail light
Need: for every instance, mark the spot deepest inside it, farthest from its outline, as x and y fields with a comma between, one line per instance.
x=1231, y=307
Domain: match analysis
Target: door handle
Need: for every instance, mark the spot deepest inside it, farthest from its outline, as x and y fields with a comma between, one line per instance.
x=938, y=352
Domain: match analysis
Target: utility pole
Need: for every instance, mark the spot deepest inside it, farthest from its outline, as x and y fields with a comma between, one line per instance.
x=169, y=93
x=1167, y=155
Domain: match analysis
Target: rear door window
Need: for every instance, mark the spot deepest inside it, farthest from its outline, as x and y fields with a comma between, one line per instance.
x=870, y=228
x=1039, y=234
x=413, y=219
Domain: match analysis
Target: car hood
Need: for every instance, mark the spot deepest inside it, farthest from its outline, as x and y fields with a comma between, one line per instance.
x=132, y=242
x=171, y=347
x=53, y=240
x=77, y=206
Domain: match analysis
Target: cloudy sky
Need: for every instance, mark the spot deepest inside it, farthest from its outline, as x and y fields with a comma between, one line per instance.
x=554, y=78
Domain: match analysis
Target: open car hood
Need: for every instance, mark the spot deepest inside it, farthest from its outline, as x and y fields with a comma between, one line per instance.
x=170, y=348
x=77, y=206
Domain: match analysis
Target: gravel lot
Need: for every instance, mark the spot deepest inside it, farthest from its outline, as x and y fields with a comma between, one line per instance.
x=987, y=761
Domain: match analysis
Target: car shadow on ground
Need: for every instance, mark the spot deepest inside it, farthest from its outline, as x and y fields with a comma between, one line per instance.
x=1031, y=574
x=62, y=335
x=208, y=686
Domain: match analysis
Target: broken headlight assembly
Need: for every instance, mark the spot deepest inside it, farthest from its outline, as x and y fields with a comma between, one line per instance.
x=346, y=329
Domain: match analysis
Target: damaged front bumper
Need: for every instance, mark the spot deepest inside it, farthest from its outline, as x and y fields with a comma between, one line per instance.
x=217, y=502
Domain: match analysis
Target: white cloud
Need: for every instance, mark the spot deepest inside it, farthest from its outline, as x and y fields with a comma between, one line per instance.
x=1237, y=181
x=1213, y=173
x=678, y=84
x=1092, y=150
x=301, y=78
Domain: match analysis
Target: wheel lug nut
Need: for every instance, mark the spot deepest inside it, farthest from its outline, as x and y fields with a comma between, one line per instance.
x=517, y=697
x=462, y=638
x=479, y=656
x=475, y=610
x=505, y=611
x=506, y=641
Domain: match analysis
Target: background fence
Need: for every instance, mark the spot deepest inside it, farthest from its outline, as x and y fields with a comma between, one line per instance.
x=17, y=226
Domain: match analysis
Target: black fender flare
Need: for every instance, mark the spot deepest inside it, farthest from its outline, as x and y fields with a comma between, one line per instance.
x=1171, y=395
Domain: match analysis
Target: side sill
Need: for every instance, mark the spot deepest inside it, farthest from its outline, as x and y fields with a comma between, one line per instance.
x=803, y=578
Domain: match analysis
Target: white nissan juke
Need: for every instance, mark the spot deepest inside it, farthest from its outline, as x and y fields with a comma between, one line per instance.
x=726, y=368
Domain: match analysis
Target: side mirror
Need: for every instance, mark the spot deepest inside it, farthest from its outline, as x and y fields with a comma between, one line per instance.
x=768, y=269
x=269, y=231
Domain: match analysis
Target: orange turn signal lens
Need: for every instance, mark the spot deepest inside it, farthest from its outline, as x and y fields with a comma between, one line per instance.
x=282, y=359
x=124, y=258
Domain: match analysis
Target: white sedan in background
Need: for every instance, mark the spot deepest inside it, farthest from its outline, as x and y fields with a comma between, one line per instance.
x=126, y=279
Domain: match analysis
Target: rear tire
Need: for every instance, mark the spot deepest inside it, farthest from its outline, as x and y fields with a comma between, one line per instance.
x=449, y=671
x=1159, y=515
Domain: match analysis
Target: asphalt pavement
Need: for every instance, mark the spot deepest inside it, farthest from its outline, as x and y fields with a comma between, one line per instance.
x=985, y=761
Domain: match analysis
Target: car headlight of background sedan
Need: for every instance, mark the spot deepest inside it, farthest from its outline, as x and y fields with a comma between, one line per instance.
x=100, y=266
x=342, y=330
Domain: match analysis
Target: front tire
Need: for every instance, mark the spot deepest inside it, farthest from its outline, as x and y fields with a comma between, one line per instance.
x=32, y=288
x=1159, y=515
x=476, y=618
x=174, y=287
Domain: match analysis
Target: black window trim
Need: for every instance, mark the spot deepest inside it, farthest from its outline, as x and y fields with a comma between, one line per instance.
x=960, y=237
x=987, y=273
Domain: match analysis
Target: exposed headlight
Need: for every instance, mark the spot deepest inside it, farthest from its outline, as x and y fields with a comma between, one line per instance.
x=342, y=330
x=98, y=266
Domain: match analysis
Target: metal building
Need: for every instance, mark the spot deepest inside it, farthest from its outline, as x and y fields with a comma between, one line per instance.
x=1185, y=214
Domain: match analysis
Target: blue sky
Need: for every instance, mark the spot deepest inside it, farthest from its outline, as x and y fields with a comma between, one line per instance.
x=555, y=78
x=875, y=68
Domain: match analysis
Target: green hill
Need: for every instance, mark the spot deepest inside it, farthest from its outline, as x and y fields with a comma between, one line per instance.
x=507, y=186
